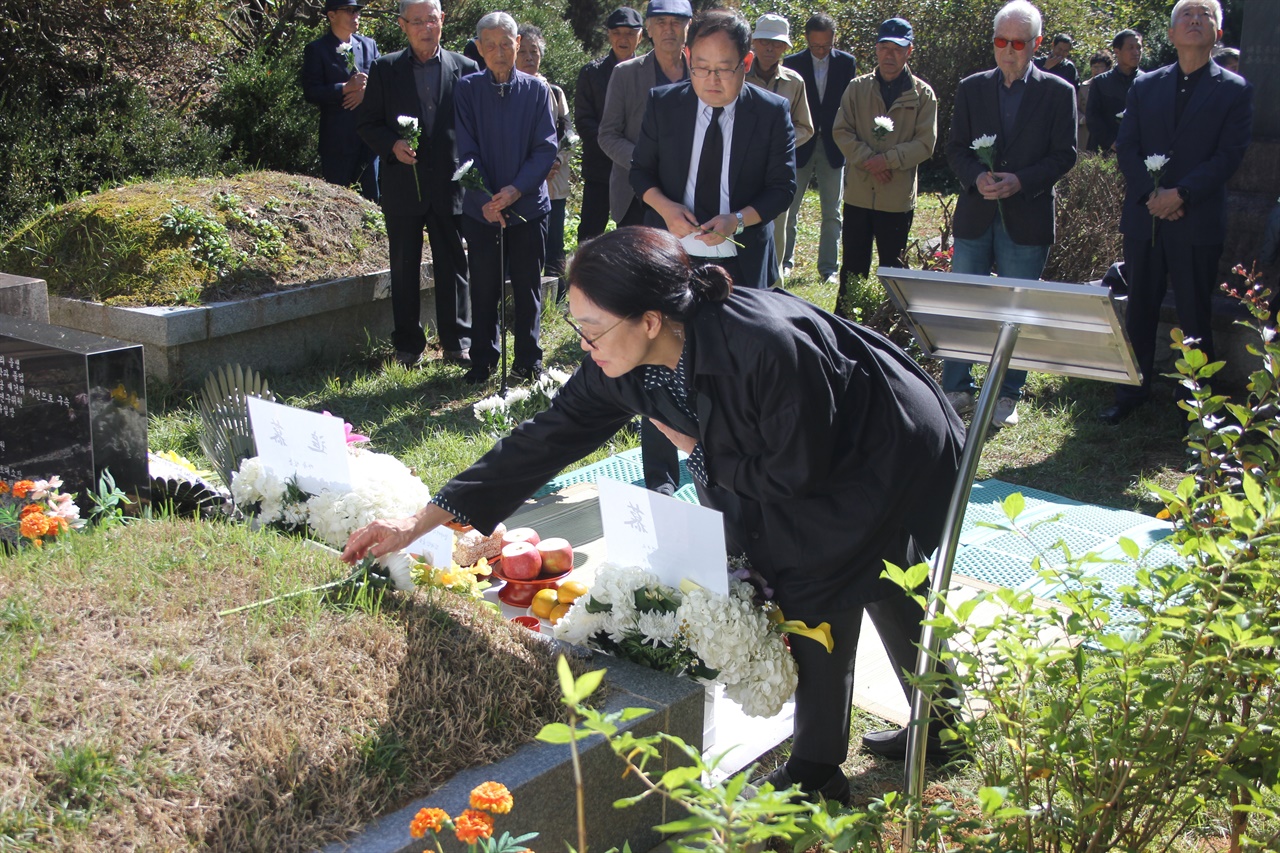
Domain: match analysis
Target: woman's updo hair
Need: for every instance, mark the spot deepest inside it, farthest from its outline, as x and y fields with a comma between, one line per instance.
x=637, y=269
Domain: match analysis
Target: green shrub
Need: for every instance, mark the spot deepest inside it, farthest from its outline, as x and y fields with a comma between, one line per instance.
x=54, y=150
x=259, y=108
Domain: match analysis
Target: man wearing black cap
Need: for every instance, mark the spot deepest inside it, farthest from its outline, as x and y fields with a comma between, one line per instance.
x=335, y=70
x=882, y=156
x=667, y=24
x=624, y=27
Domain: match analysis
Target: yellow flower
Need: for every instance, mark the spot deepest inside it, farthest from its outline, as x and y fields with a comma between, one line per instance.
x=821, y=634
x=492, y=797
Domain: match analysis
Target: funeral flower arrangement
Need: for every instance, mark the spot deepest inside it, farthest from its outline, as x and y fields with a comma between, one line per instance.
x=732, y=641
x=36, y=511
x=500, y=414
x=381, y=487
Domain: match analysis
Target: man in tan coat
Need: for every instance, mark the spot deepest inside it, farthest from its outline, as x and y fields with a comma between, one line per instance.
x=770, y=41
x=886, y=127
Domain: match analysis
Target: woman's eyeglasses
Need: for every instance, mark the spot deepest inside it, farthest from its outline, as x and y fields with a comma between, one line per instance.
x=1017, y=44
x=591, y=342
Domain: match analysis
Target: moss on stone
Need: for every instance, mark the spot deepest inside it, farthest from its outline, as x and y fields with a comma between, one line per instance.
x=114, y=246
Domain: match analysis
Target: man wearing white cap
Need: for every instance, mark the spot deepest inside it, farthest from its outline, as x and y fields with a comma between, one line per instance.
x=769, y=42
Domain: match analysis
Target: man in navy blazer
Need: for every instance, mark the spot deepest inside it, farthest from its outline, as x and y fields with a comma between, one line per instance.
x=1199, y=116
x=826, y=74
x=1005, y=214
x=756, y=177
x=329, y=83
x=418, y=189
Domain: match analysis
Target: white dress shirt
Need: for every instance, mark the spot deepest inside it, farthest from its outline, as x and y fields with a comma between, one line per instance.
x=692, y=245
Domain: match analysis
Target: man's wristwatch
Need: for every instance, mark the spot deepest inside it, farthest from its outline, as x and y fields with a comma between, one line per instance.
x=742, y=223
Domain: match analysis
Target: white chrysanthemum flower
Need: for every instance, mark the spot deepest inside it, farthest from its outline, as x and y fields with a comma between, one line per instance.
x=659, y=629
x=985, y=141
x=407, y=122
x=579, y=626
x=399, y=566
x=344, y=48
x=884, y=124
x=1155, y=162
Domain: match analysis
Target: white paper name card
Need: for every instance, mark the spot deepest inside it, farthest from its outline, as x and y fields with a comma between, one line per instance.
x=675, y=540
x=297, y=443
x=436, y=546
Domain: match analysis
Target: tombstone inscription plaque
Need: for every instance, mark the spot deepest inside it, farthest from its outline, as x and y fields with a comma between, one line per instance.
x=72, y=404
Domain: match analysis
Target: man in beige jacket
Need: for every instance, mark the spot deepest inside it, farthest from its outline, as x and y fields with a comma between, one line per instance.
x=886, y=127
x=769, y=42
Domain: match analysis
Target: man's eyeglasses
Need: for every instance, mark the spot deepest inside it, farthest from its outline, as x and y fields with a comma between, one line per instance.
x=1017, y=44
x=721, y=73
x=591, y=342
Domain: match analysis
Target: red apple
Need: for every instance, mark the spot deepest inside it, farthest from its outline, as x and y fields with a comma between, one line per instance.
x=520, y=534
x=557, y=555
x=521, y=561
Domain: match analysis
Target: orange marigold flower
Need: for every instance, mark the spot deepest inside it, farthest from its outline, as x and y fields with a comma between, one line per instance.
x=428, y=820
x=4, y=488
x=21, y=488
x=472, y=826
x=56, y=524
x=492, y=797
x=34, y=525
x=30, y=509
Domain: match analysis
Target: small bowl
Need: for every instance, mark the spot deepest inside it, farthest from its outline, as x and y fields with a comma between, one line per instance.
x=530, y=622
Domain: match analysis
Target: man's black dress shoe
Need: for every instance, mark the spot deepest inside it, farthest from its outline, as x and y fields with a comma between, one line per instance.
x=1118, y=412
x=892, y=744
x=476, y=375
x=460, y=357
x=835, y=789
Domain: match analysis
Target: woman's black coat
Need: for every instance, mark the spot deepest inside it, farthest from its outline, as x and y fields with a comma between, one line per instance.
x=828, y=449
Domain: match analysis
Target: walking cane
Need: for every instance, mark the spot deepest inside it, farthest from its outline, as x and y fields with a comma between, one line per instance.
x=502, y=300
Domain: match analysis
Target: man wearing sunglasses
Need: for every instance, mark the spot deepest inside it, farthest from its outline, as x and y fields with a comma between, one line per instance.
x=1004, y=214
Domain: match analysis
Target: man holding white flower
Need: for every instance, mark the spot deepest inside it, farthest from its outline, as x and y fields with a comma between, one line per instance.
x=335, y=72
x=886, y=127
x=1184, y=133
x=1013, y=137
x=418, y=190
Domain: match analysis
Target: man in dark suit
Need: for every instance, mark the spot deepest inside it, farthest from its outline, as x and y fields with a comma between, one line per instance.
x=329, y=82
x=1004, y=214
x=623, y=25
x=1109, y=91
x=826, y=72
x=417, y=185
x=1199, y=116
x=715, y=161
x=1058, y=60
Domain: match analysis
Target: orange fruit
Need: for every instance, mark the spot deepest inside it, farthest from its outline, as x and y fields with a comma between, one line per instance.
x=543, y=602
x=558, y=611
x=571, y=591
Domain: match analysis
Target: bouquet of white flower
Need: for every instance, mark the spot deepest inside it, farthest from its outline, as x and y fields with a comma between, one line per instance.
x=500, y=414
x=1155, y=167
x=691, y=631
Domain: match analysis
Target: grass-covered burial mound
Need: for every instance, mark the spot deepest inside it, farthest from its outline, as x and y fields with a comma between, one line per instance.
x=191, y=241
x=133, y=717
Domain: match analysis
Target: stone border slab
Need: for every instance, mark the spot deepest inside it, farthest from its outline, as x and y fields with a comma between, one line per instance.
x=316, y=322
x=540, y=777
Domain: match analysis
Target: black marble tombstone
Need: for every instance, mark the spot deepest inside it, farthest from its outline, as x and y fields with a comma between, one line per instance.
x=72, y=404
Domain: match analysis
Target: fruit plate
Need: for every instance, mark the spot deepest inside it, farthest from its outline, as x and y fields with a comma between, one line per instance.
x=520, y=593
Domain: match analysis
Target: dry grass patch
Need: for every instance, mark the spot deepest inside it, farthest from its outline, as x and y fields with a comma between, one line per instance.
x=133, y=717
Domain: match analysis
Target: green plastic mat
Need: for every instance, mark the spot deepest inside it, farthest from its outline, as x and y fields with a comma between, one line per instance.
x=993, y=556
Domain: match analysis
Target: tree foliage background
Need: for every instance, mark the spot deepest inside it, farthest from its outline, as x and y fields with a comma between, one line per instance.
x=98, y=92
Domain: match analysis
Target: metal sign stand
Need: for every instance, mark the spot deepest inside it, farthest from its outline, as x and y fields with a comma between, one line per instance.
x=1075, y=330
